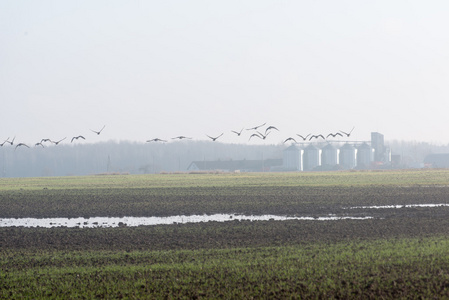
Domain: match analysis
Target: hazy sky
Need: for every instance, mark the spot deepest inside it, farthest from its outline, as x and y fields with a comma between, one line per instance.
x=149, y=69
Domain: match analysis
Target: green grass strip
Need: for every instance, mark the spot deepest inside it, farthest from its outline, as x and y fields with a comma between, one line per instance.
x=394, y=268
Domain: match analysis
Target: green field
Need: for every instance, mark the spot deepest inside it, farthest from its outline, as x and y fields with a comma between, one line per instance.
x=400, y=253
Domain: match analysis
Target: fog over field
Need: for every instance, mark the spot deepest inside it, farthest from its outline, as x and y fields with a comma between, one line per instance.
x=163, y=69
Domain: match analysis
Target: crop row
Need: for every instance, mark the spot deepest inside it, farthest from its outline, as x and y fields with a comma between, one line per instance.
x=371, y=269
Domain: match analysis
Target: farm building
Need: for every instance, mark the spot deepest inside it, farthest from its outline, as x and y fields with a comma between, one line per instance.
x=437, y=160
x=244, y=165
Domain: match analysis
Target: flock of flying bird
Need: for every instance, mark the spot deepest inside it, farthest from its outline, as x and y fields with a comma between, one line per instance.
x=256, y=134
x=263, y=135
x=41, y=143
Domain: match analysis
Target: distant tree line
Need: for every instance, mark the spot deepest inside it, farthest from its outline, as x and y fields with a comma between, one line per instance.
x=122, y=157
x=414, y=152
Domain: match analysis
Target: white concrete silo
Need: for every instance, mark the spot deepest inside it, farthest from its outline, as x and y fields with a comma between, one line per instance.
x=311, y=157
x=365, y=156
x=329, y=156
x=292, y=159
x=348, y=156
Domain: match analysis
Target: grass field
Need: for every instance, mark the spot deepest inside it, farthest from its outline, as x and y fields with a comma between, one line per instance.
x=401, y=253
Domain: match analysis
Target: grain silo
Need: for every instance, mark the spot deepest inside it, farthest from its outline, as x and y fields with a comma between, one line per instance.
x=292, y=159
x=311, y=157
x=365, y=156
x=348, y=156
x=329, y=156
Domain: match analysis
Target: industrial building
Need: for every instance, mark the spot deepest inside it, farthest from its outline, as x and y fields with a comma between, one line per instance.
x=338, y=155
x=317, y=156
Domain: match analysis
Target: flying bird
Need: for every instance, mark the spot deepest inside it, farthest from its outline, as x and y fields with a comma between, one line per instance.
x=304, y=137
x=77, y=137
x=214, y=138
x=21, y=144
x=6, y=141
x=269, y=128
x=181, y=137
x=39, y=144
x=57, y=142
x=156, y=140
x=255, y=134
x=46, y=140
x=348, y=133
x=256, y=127
x=264, y=136
x=11, y=142
x=317, y=136
x=237, y=132
x=334, y=134
x=98, y=132
x=289, y=139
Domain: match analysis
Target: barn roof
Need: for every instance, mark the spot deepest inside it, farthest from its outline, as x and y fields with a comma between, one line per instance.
x=233, y=165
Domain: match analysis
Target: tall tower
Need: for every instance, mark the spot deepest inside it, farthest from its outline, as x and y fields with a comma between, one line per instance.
x=377, y=143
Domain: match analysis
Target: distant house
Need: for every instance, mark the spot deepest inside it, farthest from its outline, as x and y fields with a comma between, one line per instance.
x=266, y=165
x=437, y=160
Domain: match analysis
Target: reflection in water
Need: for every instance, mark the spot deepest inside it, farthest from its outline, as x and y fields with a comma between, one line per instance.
x=137, y=221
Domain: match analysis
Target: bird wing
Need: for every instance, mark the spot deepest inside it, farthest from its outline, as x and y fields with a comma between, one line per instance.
x=255, y=128
x=255, y=134
x=21, y=144
x=351, y=129
x=347, y=133
x=271, y=127
x=289, y=139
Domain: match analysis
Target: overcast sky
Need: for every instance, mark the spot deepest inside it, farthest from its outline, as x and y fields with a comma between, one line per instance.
x=149, y=69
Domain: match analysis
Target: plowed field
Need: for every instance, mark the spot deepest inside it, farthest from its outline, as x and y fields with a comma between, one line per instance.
x=122, y=253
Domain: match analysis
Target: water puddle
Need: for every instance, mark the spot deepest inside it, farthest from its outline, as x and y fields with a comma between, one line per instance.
x=397, y=206
x=138, y=221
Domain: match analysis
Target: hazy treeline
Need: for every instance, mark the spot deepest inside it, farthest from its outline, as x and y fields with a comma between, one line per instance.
x=130, y=157
x=414, y=152
x=140, y=158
